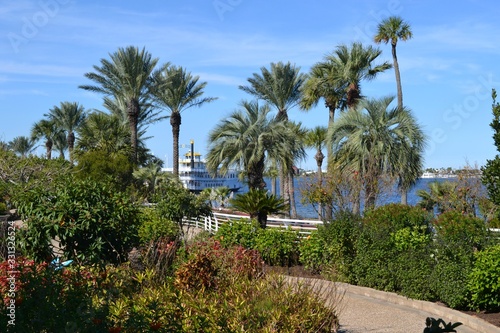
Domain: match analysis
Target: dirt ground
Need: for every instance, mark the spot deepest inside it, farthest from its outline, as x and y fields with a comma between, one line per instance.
x=492, y=318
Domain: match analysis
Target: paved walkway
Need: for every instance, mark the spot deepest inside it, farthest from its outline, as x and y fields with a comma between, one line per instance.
x=367, y=310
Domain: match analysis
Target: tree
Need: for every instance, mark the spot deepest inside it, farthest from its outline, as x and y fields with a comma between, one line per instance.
x=22, y=145
x=373, y=140
x=60, y=144
x=68, y=117
x=259, y=204
x=491, y=171
x=280, y=86
x=177, y=90
x=126, y=77
x=391, y=30
x=353, y=64
x=245, y=139
x=316, y=138
x=45, y=129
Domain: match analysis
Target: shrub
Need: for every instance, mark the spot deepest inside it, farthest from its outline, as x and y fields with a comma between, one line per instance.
x=390, y=232
x=93, y=222
x=259, y=204
x=45, y=300
x=3, y=208
x=457, y=229
x=278, y=246
x=240, y=232
x=312, y=252
x=484, y=280
x=153, y=227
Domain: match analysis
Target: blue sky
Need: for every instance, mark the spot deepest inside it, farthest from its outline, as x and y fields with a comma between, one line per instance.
x=448, y=69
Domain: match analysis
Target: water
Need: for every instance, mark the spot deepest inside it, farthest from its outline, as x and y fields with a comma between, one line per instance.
x=308, y=211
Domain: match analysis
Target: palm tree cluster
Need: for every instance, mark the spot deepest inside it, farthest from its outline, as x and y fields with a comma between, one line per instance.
x=370, y=138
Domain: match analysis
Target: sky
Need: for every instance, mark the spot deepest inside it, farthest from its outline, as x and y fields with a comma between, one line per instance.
x=447, y=69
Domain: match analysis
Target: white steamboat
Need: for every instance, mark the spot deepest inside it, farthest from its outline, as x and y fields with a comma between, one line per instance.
x=195, y=177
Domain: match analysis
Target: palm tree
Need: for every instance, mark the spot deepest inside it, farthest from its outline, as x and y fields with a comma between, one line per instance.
x=375, y=141
x=316, y=138
x=22, y=145
x=126, y=77
x=353, y=64
x=68, y=117
x=177, y=90
x=60, y=143
x=259, y=204
x=45, y=129
x=280, y=87
x=391, y=30
x=245, y=139
x=102, y=131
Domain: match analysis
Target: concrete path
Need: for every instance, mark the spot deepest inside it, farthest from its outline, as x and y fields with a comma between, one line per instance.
x=363, y=309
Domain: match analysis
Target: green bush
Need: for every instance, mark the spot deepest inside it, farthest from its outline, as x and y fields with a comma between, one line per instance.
x=3, y=208
x=484, y=280
x=93, y=222
x=456, y=229
x=240, y=232
x=278, y=246
x=312, y=252
x=388, y=233
x=154, y=227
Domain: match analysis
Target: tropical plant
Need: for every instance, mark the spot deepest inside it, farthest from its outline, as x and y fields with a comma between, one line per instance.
x=484, y=280
x=246, y=138
x=280, y=86
x=22, y=145
x=69, y=116
x=259, y=204
x=60, y=144
x=176, y=90
x=355, y=63
x=439, y=326
x=392, y=29
x=375, y=141
x=151, y=177
x=316, y=138
x=104, y=132
x=126, y=77
x=47, y=130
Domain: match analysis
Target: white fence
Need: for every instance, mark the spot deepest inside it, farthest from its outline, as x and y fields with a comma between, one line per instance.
x=212, y=223
x=304, y=227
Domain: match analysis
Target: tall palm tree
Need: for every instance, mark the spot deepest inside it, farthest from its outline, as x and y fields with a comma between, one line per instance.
x=245, y=139
x=176, y=90
x=354, y=63
x=45, y=129
x=126, y=77
x=68, y=117
x=22, y=145
x=316, y=138
x=279, y=86
x=374, y=139
x=392, y=29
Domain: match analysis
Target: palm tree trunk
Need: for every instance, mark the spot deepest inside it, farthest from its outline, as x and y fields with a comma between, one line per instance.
x=48, y=147
x=329, y=155
x=404, y=196
x=256, y=175
x=71, y=144
x=291, y=195
x=175, y=121
x=353, y=95
x=133, y=114
x=319, y=162
x=398, y=77
x=273, y=185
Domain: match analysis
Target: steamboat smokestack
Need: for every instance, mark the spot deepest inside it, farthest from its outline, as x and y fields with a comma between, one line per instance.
x=192, y=154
